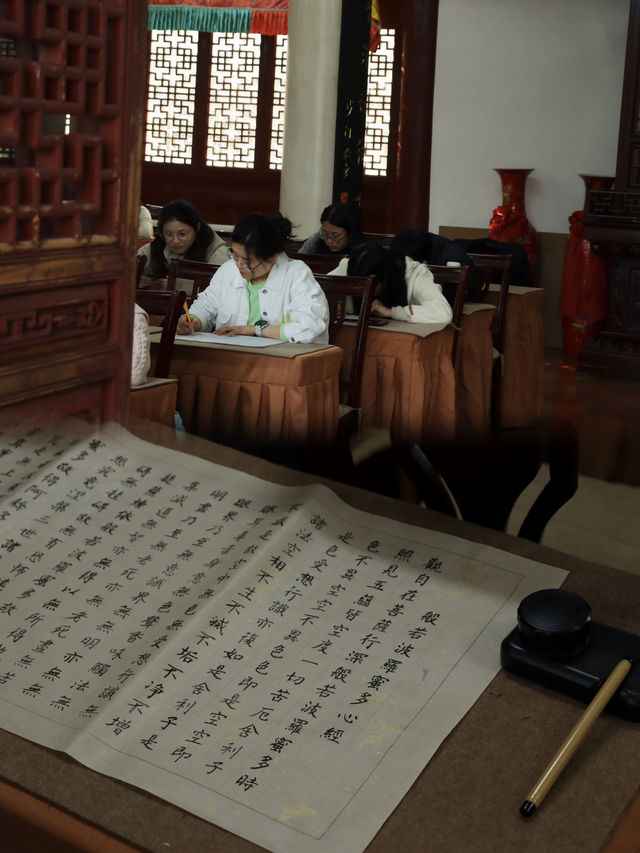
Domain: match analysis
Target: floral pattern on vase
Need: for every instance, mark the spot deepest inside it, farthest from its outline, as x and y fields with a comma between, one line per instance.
x=509, y=223
x=585, y=291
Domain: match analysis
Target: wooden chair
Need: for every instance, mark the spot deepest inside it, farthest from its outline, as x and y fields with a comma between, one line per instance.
x=460, y=277
x=383, y=240
x=291, y=246
x=492, y=269
x=199, y=272
x=155, y=210
x=319, y=263
x=166, y=306
x=337, y=288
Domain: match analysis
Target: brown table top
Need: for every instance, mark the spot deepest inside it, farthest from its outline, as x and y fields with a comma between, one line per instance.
x=468, y=796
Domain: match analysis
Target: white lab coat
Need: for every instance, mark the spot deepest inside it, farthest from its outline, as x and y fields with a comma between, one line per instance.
x=290, y=297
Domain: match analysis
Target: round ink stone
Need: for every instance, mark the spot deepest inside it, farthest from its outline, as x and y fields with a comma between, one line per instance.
x=554, y=620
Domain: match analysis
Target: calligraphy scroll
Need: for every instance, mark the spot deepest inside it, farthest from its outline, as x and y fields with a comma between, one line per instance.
x=263, y=656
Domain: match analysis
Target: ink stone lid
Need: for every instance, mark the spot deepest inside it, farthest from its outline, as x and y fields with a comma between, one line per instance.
x=554, y=620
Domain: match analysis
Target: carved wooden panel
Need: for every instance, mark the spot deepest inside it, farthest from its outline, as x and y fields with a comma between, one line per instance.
x=70, y=151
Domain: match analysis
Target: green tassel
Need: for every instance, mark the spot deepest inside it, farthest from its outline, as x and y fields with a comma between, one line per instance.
x=199, y=18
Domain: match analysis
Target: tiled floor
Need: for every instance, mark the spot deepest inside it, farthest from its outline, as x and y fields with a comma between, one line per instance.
x=602, y=521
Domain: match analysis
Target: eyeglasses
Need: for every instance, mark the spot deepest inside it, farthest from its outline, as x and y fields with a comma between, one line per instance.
x=174, y=235
x=332, y=237
x=243, y=264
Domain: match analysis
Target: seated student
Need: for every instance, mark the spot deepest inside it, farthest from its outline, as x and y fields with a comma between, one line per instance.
x=141, y=351
x=431, y=248
x=182, y=233
x=261, y=291
x=338, y=233
x=407, y=288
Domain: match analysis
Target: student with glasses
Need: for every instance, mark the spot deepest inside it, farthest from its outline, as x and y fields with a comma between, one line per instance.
x=182, y=233
x=260, y=291
x=338, y=233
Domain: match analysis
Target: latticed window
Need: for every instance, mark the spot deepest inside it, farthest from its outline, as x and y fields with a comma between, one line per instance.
x=233, y=102
x=378, y=113
x=59, y=117
x=244, y=78
x=171, y=99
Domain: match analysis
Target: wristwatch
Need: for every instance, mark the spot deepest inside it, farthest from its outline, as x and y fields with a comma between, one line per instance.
x=259, y=326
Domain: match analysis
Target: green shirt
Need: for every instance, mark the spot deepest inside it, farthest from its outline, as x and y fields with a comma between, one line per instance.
x=253, y=290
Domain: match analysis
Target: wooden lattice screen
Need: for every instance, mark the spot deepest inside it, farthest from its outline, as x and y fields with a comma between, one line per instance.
x=72, y=89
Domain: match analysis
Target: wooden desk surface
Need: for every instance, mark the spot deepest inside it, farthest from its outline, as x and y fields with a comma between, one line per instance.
x=467, y=797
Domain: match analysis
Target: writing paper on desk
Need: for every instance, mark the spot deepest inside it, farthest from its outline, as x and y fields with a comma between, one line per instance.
x=235, y=340
x=264, y=656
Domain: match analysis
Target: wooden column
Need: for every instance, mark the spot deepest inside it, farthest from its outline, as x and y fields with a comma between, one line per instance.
x=412, y=181
x=612, y=222
x=312, y=80
x=352, y=103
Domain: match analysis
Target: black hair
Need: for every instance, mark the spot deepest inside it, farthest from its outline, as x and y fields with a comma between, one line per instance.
x=414, y=243
x=181, y=211
x=262, y=236
x=338, y=214
x=371, y=259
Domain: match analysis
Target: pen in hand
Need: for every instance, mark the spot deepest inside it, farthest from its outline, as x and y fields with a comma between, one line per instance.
x=186, y=313
x=575, y=737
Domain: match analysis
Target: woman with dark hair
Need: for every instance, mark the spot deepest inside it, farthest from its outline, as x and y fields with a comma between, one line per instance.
x=338, y=233
x=182, y=233
x=428, y=248
x=261, y=291
x=407, y=289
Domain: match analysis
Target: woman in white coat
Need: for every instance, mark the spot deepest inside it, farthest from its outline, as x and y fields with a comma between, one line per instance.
x=407, y=289
x=261, y=291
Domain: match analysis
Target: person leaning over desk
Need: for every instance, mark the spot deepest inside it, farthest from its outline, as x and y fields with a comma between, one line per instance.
x=182, y=233
x=261, y=291
x=431, y=248
x=407, y=290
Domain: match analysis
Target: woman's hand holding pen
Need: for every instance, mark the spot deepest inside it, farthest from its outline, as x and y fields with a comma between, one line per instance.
x=188, y=325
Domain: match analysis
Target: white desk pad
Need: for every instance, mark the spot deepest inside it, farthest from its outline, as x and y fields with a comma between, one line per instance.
x=264, y=656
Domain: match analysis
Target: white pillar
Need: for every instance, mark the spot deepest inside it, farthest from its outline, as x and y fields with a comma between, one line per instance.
x=306, y=184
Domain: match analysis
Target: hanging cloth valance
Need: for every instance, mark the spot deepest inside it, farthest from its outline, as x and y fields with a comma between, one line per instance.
x=262, y=17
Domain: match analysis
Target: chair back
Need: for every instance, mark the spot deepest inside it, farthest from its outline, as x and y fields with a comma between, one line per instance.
x=167, y=306
x=291, y=246
x=141, y=262
x=460, y=277
x=337, y=288
x=155, y=210
x=318, y=263
x=198, y=272
x=492, y=269
x=383, y=240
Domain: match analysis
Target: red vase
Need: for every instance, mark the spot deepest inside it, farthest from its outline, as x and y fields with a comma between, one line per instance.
x=584, y=296
x=509, y=222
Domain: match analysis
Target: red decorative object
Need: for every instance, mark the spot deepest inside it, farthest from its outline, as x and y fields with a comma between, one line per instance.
x=584, y=296
x=509, y=222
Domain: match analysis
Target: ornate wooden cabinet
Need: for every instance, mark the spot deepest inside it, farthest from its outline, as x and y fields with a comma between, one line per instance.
x=612, y=221
x=72, y=93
